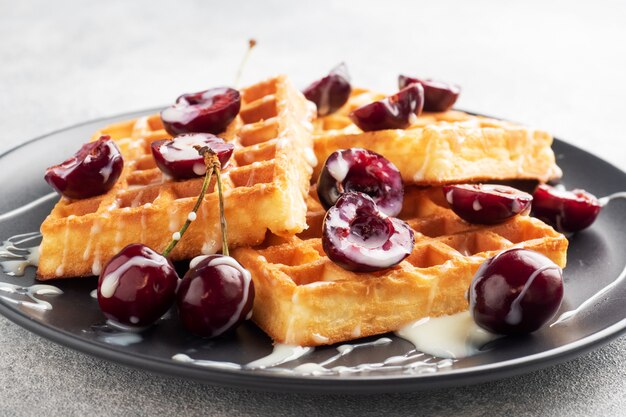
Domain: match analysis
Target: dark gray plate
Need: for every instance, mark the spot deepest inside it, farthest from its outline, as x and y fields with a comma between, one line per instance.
x=596, y=257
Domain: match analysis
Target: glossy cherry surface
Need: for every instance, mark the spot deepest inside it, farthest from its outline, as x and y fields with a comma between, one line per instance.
x=357, y=236
x=438, y=95
x=365, y=171
x=137, y=286
x=566, y=211
x=215, y=295
x=393, y=112
x=486, y=203
x=180, y=159
x=208, y=111
x=516, y=292
x=330, y=92
x=92, y=171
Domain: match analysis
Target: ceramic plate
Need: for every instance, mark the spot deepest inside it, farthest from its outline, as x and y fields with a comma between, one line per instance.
x=595, y=259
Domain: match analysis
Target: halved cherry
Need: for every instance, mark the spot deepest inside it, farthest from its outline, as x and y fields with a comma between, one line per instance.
x=365, y=171
x=566, y=211
x=393, y=112
x=179, y=157
x=486, y=203
x=92, y=171
x=358, y=237
x=208, y=111
x=438, y=95
x=330, y=92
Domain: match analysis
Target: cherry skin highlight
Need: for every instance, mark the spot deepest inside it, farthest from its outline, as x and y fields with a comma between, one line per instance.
x=92, y=171
x=486, y=203
x=566, y=211
x=439, y=96
x=516, y=292
x=208, y=111
x=330, y=92
x=137, y=286
x=179, y=158
x=215, y=296
x=393, y=112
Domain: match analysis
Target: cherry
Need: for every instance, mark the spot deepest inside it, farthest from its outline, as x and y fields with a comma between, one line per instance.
x=215, y=295
x=180, y=159
x=92, y=171
x=486, y=203
x=566, y=211
x=137, y=286
x=515, y=292
x=330, y=92
x=357, y=236
x=365, y=171
x=208, y=111
x=393, y=112
x=438, y=95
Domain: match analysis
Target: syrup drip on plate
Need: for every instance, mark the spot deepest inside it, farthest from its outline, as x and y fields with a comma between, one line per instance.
x=116, y=334
x=25, y=296
x=15, y=256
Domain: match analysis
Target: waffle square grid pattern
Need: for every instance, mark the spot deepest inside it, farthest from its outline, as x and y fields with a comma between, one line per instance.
x=265, y=186
x=303, y=298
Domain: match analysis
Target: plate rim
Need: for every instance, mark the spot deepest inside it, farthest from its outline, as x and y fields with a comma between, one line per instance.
x=299, y=383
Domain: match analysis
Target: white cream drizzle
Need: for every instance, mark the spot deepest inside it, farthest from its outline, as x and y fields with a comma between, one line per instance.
x=281, y=353
x=15, y=258
x=111, y=280
x=29, y=293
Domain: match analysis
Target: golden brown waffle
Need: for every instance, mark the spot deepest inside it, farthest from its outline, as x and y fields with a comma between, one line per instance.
x=303, y=298
x=265, y=188
x=440, y=148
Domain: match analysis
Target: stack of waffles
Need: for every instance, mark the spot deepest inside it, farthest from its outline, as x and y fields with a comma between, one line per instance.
x=275, y=221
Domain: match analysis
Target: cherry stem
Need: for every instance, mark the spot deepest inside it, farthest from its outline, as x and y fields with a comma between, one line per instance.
x=251, y=45
x=212, y=164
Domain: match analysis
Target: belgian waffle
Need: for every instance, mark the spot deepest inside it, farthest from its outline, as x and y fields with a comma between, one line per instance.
x=303, y=298
x=265, y=187
x=440, y=148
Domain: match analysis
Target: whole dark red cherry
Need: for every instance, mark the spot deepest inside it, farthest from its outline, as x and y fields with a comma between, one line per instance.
x=330, y=92
x=92, y=171
x=358, y=169
x=180, y=159
x=137, y=286
x=393, y=112
x=438, y=95
x=486, y=203
x=215, y=295
x=357, y=236
x=515, y=292
x=208, y=111
x=566, y=211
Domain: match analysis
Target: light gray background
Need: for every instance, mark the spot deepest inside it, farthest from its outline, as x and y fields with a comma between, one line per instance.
x=556, y=65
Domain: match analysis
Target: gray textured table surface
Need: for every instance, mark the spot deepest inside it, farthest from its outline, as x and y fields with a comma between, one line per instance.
x=557, y=65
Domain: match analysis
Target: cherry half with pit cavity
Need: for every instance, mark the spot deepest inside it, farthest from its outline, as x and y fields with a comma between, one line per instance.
x=393, y=112
x=486, y=203
x=357, y=236
x=215, y=295
x=516, y=292
x=208, y=111
x=566, y=211
x=439, y=96
x=330, y=92
x=92, y=171
x=179, y=157
x=137, y=286
x=361, y=170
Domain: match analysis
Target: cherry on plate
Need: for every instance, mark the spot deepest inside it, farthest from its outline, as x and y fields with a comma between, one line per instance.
x=566, y=211
x=357, y=236
x=179, y=158
x=330, y=92
x=215, y=295
x=393, y=112
x=92, y=171
x=208, y=111
x=486, y=203
x=516, y=292
x=438, y=95
x=358, y=169
x=137, y=286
